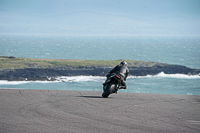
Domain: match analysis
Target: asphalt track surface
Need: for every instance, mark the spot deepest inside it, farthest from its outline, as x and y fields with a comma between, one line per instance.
x=55, y=111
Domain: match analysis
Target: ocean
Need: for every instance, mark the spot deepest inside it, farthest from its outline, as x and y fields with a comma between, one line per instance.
x=180, y=50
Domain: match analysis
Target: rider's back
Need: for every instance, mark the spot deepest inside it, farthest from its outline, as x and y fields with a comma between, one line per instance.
x=122, y=70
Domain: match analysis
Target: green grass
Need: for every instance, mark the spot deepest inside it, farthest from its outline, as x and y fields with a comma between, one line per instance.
x=12, y=62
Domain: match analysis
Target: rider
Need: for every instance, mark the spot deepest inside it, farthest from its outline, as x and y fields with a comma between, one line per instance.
x=121, y=70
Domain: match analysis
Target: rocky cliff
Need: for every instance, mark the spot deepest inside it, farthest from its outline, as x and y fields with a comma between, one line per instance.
x=51, y=73
x=19, y=69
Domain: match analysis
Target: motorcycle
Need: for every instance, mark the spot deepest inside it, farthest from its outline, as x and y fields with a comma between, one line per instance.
x=111, y=85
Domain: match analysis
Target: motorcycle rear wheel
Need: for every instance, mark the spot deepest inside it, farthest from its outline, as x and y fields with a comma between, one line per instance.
x=109, y=90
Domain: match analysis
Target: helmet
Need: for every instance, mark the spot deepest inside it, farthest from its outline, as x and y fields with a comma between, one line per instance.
x=123, y=63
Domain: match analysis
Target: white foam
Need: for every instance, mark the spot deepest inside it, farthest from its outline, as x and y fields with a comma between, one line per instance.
x=163, y=75
x=58, y=79
x=80, y=78
x=182, y=76
x=99, y=78
x=5, y=82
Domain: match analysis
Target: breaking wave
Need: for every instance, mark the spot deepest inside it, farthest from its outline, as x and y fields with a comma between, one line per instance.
x=100, y=78
x=80, y=78
x=5, y=82
x=163, y=75
x=58, y=79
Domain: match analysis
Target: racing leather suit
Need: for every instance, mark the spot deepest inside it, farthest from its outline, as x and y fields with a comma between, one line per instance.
x=123, y=72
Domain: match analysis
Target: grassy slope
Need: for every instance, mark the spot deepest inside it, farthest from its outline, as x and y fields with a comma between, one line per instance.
x=12, y=62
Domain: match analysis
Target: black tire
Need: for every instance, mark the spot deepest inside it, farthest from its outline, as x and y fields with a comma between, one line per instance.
x=109, y=90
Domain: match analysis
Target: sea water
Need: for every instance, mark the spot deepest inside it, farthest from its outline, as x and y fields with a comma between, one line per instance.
x=181, y=50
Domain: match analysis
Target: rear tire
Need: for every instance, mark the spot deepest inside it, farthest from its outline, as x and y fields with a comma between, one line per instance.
x=109, y=90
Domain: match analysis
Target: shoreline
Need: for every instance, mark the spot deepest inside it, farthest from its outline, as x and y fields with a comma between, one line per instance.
x=64, y=78
x=20, y=69
x=85, y=111
x=43, y=74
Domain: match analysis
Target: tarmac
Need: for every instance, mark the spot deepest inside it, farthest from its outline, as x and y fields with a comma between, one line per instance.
x=62, y=111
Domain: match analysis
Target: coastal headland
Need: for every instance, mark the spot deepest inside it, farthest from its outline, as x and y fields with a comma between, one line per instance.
x=20, y=69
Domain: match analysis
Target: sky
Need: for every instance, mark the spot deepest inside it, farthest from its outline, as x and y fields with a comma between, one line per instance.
x=119, y=11
x=143, y=8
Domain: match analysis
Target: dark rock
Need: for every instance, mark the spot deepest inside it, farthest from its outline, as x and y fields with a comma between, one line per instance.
x=46, y=73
